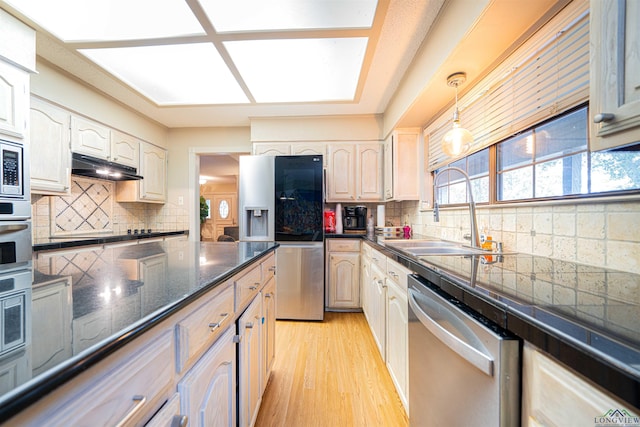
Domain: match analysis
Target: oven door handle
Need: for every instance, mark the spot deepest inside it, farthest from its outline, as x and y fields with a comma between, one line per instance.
x=471, y=354
x=11, y=228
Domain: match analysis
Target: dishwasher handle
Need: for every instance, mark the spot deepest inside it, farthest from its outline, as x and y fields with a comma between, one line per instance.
x=472, y=355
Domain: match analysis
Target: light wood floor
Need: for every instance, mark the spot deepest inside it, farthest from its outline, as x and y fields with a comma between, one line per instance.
x=329, y=373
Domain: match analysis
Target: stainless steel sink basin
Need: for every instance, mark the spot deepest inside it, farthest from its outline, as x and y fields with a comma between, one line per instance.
x=433, y=247
x=440, y=250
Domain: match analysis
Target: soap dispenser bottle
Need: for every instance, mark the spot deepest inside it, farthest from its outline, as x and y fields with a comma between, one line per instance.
x=406, y=230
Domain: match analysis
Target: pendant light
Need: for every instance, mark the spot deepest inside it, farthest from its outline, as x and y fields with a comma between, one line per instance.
x=458, y=140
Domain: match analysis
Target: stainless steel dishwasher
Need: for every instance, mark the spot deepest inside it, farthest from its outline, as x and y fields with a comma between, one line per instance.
x=464, y=369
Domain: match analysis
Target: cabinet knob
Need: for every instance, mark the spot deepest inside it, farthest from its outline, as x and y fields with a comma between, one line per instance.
x=603, y=117
x=180, y=421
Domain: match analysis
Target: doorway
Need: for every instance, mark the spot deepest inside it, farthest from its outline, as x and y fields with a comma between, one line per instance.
x=218, y=184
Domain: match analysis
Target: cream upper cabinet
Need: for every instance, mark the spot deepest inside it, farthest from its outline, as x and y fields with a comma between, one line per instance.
x=90, y=138
x=614, y=102
x=369, y=175
x=125, y=149
x=271, y=149
x=341, y=172
x=50, y=153
x=402, y=165
x=153, y=188
x=14, y=100
x=354, y=172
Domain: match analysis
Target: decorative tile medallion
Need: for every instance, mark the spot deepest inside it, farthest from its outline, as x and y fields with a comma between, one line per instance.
x=87, y=210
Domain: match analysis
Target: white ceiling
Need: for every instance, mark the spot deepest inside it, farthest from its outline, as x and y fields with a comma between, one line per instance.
x=391, y=38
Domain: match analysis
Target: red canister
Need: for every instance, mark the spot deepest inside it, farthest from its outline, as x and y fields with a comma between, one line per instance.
x=329, y=221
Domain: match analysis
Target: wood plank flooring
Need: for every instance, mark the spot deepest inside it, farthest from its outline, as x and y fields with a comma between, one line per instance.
x=329, y=373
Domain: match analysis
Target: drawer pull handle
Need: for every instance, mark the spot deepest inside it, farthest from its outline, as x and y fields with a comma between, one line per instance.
x=180, y=421
x=268, y=295
x=216, y=325
x=249, y=325
x=253, y=288
x=272, y=268
x=140, y=401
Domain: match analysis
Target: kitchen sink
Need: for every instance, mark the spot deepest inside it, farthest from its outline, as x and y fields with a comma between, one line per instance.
x=433, y=247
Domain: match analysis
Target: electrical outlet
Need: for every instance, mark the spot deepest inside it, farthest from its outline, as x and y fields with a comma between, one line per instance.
x=180, y=200
x=180, y=256
x=483, y=238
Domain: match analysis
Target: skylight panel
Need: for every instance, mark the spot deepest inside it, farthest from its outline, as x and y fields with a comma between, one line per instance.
x=173, y=74
x=83, y=20
x=301, y=70
x=260, y=15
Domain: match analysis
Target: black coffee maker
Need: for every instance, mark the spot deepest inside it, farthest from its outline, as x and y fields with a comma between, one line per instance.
x=355, y=218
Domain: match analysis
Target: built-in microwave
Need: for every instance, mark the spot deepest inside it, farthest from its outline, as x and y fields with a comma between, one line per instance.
x=14, y=186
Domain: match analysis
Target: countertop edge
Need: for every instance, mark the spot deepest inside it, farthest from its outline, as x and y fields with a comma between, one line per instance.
x=585, y=361
x=28, y=394
x=88, y=241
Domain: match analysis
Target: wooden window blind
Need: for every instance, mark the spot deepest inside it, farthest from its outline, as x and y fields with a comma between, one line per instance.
x=547, y=75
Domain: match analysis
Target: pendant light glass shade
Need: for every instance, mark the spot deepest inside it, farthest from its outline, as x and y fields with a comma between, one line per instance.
x=458, y=140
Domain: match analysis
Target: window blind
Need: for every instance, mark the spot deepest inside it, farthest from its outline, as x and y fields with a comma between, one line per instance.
x=547, y=75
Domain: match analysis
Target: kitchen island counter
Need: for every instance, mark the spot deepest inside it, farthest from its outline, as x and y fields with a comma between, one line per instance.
x=135, y=287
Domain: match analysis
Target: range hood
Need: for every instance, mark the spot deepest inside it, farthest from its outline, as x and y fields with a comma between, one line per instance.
x=93, y=167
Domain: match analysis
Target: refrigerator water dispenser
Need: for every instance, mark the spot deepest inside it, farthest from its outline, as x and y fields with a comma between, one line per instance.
x=256, y=223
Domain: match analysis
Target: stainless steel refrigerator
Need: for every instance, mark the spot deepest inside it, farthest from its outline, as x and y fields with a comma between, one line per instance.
x=281, y=199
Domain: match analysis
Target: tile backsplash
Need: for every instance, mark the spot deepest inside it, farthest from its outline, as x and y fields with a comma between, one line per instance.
x=92, y=207
x=604, y=234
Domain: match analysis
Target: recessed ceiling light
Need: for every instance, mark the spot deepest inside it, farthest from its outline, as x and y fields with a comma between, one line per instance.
x=172, y=74
x=302, y=70
x=260, y=15
x=82, y=20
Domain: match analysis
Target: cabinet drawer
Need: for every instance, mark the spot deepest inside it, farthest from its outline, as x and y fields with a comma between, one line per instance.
x=398, y=273
x=198, y=330
x=169, y=415
x=343, y=245
x=130, y=392
x=247, y=287
x=379, y=259
x=366, y=250
x=268, y=268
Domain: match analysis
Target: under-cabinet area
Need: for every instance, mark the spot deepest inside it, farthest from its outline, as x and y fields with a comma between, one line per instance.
x=159, y=332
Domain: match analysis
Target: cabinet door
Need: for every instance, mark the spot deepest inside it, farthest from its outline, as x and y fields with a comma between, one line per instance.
x=271, y=149
x=208, y=391
x=369, y=172
x=377, y=305
x=397, y=332
x=50, y=152
x=365, y=278
x=14, y=100
x=615, y=73
x=90, y=138
x=268, y=328
x=406, y=164
x=153, y=167
x=388, y=169
x=310, y=148
x=51, y=310
x=344, y=283
x=341, y=172
x=153, y=273
x=250, y=361
x=125, y=149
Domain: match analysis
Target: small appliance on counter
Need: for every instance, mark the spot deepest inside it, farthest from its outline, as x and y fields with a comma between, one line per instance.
x=355, y=218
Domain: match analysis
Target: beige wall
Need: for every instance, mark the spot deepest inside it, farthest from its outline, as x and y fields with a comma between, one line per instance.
x=333, y=128
x=603, y=234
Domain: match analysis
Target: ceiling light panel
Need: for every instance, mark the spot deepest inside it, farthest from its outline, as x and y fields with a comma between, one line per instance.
x=172, y=74
x=83, y=20
x=301, y=70
x=261, y=15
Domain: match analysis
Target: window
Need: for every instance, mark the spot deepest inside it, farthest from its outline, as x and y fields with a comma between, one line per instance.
x=548, y=161
x=451, y=186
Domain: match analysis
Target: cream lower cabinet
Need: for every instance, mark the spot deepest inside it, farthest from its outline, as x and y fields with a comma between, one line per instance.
x=268, y=329
x=377, y=308
x=343, y=274
x=553, y=395
x=208, y=391
x=249, y=363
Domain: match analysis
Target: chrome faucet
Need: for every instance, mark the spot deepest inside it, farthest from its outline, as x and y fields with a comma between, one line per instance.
x=475, y=236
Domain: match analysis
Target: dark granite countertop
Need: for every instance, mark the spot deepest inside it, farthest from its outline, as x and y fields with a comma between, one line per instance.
x=61, y=242
x=110, y=282
x=586, y=317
